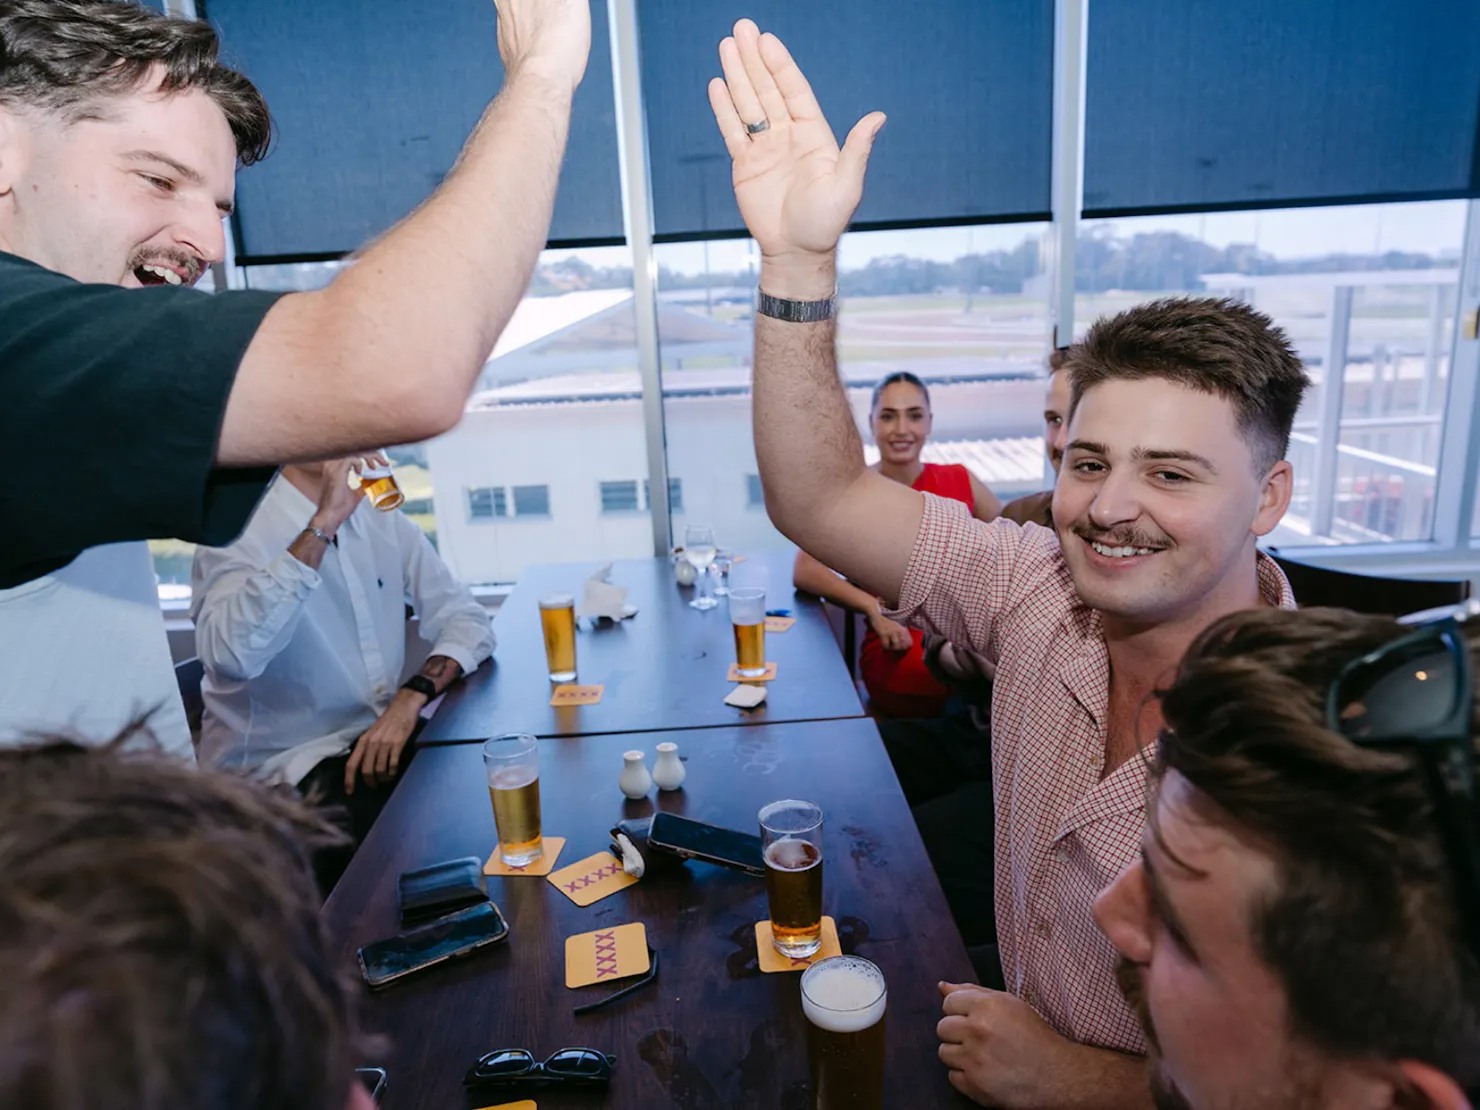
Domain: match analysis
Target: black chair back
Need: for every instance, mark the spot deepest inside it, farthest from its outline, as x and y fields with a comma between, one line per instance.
x=188, y=674
x=1365, y=593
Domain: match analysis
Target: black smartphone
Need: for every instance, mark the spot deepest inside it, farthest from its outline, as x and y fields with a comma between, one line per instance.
x=447, y=938
x=374, y=1080
x=690, y=839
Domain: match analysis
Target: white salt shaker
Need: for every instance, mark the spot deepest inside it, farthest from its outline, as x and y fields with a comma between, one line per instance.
x=669, y=771
x=635, y=780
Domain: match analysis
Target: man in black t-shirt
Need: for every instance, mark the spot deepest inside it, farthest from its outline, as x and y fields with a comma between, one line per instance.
x=144, y=408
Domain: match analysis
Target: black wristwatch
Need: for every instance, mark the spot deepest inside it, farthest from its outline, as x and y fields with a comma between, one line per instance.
x=422, y=685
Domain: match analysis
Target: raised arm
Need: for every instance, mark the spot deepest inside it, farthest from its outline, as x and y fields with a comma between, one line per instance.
x=797, y=191
x=389, y=351
x=985, y=505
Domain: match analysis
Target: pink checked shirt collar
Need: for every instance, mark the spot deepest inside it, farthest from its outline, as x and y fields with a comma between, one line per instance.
x=1062, y=835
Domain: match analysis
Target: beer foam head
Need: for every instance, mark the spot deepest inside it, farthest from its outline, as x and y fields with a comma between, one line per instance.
x=843, y=994
x=557, y=601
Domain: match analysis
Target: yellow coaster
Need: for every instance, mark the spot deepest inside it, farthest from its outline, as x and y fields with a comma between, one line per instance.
x=526, y=1104
x=772, y=960
x=767, y=677
x=592, y=879
x=779, y=624
x=606, y=954
x=575, y=695
x=542, y=866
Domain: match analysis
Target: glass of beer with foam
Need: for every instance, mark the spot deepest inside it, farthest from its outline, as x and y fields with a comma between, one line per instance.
x=748, y=618
x=378, y=481
x=844, y=999
x=791, y=838
x=513, y=766
x=558, y=620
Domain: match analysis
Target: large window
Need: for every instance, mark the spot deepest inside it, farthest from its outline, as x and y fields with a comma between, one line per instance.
x=1367, y=295
x=963, y=308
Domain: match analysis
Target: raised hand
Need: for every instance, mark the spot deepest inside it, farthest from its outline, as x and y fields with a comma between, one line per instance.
x=549, y=37
x=796, y=189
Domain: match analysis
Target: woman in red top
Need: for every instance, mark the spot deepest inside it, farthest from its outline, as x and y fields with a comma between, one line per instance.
x=891, y=661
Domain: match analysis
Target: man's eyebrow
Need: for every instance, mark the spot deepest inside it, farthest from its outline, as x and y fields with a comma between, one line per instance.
x=1162, y=904
x=1148, y=454
x=179, y=168
x=1090, y=446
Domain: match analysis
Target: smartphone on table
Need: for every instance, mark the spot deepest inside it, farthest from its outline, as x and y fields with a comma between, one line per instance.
x=690, y=839
x=447, y=938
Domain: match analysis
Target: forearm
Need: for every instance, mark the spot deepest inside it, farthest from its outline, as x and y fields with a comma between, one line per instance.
x=818, y=491
x=815, y=578
x=389, y=351
x=1099, y=1079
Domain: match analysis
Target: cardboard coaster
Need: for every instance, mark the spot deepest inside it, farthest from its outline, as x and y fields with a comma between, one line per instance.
x=525, y=1104
x=542, y=866
x=568, y=694
x=767, y=677
x=772, y=960
x=779, y=624
x=606, y=954
x=592, y=879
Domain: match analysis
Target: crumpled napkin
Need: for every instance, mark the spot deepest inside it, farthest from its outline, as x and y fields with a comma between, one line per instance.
x=602, y=599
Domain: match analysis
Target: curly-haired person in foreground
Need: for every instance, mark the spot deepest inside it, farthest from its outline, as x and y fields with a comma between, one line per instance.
x=160, y=940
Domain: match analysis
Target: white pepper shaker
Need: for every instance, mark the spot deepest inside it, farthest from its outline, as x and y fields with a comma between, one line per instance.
x=635, y=780
x=669, y=771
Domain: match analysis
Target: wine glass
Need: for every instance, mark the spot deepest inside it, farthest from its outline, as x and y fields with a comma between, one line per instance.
x=698, y=549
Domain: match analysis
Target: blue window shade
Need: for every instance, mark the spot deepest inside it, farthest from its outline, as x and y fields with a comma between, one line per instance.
x=966, y=84
x=619, y=497
x=1205, y=104
x=531, y=500
x=372, y=101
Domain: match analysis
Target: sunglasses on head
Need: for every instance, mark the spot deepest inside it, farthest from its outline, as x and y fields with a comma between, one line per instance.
x=1416, y=694
x=517, y=1068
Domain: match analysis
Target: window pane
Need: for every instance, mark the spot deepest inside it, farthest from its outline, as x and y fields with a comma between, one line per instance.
x=487, y=503
x=1370, y=288
x=558, y=408
x=964, y=308
x=619, y=497
x=531, y=500
x=675, y=494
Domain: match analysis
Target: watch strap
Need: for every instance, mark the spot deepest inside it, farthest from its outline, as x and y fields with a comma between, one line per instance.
x=422, y=685
x=795, y=312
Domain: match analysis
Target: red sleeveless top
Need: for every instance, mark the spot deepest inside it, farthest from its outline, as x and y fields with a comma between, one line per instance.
x=898, y=683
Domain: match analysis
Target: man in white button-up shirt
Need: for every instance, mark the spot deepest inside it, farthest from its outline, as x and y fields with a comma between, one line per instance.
x=300, y=625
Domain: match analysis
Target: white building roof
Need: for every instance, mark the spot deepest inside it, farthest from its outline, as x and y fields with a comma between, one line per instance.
x=538, y=317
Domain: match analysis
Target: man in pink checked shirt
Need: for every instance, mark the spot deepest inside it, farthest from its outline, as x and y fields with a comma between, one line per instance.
x=1175, y=466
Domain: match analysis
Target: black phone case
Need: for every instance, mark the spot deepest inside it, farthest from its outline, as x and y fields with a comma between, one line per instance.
x=500, y=935
x=429, y=892
x=666, y=836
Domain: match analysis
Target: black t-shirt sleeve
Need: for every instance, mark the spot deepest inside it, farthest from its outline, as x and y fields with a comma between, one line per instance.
x=111, y=402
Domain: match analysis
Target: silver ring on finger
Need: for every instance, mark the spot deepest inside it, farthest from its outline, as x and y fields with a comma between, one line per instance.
x=757, y=128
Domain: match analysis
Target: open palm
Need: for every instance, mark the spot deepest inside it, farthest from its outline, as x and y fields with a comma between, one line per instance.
x=796, y=189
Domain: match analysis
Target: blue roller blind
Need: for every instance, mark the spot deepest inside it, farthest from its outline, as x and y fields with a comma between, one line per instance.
x=1206, y=103
x=967, y=86
x=373, y=100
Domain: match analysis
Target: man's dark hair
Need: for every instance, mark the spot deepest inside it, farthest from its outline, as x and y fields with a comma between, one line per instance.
x=891, y=379
x=160, y=936
x=1222, y=347
x=1362, y=927
x=69, y=56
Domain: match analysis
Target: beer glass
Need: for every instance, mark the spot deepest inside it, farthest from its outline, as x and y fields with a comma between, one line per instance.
x=378, y=481
x=513, y=766
x=791, y=836
x=698, y=549
x=748, y=616
x=844, y=999
x=558, y=620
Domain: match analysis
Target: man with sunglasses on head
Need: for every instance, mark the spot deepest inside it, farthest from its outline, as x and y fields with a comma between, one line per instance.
x=1302, y=930
x=147, y=409
x=1180, y=416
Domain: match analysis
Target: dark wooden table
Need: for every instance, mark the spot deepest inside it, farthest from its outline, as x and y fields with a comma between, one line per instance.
x=665, y=668
x=713, y=1032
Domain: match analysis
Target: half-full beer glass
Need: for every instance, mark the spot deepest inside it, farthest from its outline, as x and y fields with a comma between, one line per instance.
x=378, y=481
x=558, y=620
x=844, y=999
x=791, y=836
x=513, y=766
x=748, y=616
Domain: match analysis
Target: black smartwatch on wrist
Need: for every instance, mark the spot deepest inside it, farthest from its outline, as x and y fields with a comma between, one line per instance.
x=422, y=685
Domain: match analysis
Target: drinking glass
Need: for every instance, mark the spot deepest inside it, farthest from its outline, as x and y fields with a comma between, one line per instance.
x=698, y=549
x=844, y=999
x=791, y=836
x=558, y=622
x=513, y=766
x=378, y=481
x=748, y=618
x=722, y=563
